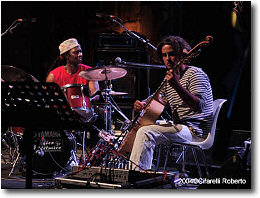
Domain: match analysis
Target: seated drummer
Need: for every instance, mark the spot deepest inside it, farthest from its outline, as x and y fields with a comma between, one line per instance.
x=70, y=51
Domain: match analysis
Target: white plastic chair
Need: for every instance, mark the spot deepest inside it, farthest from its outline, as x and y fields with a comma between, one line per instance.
x=202, y=145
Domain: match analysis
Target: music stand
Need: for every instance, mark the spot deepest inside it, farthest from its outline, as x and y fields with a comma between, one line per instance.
x=35, y=105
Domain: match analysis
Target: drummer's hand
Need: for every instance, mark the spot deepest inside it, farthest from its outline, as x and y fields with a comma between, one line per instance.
x=95, y=98
x=138, y=105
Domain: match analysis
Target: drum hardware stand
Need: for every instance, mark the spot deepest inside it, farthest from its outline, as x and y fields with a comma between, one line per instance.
x=106, y=74
x=118, y=109
x=107, y=104
x=14, y=164
x=108, y=108
x=84, y=107
x=83, y=97
x=12, y=154
x=83, y=147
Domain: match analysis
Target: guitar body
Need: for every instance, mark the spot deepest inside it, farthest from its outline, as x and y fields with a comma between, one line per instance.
x=147, y=117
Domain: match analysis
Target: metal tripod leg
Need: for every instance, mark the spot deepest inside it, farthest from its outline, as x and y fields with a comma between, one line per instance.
x=83, y=147
x=14, y=164
x=74, y=156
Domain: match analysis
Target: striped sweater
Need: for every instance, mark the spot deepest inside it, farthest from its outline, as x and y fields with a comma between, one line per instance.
x=197, y=82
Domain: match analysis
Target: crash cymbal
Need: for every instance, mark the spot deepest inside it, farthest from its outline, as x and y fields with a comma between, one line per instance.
x=115, y=93
x=13, y=74
x=103, y=73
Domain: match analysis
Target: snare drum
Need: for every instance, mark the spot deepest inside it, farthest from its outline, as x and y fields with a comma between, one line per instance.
x=77, y=96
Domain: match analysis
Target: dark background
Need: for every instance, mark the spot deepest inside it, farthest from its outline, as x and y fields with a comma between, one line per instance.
x=33, y=46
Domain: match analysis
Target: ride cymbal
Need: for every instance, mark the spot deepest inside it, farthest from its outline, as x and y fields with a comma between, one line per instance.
x=103, y=73
x=13, y=74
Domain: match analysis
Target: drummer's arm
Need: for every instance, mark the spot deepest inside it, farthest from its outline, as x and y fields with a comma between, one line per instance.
x=93, y=87
x=50, y=78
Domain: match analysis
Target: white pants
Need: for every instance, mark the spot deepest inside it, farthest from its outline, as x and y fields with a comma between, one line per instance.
x=147, y=137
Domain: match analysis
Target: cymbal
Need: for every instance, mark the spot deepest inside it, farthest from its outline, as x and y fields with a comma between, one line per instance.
x=114, y=93
x=14, y=74
x=103, y=73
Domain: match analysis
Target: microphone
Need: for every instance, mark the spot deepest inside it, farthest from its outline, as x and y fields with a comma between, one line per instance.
x=101, y=15
x=105, y=16
x=30, y=20
x=118, y=60
x=17, y=23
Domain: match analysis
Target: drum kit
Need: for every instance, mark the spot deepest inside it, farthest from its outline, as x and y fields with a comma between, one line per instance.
x=49, y=159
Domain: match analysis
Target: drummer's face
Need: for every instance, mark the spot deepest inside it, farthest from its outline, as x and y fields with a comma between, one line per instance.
x=75, y=55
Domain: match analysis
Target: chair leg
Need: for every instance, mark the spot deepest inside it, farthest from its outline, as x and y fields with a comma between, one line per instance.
x=205, y=163
x=179, y=157
x=158, y=157
x=182, y=155
x=166, y=159
x=183, y=159
x=196, y=161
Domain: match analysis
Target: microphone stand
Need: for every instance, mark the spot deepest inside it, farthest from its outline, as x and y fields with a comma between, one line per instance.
x=12, y=26
x=144, y=41
x=141, y=65
x=133, y=35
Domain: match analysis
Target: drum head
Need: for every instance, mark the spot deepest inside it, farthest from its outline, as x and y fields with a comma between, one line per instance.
x=52, y=151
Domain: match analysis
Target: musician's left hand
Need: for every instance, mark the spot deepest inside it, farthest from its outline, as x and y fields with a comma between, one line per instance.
x=173, y=77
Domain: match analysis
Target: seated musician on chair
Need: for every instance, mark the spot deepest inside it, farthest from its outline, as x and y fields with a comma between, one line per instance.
x=189, y=94
x=68, y=72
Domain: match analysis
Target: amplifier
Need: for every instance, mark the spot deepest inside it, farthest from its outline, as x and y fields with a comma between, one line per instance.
x=115, y=40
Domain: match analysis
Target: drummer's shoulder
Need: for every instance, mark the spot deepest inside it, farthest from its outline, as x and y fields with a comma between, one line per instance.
x=85, y=66
x=57, y=69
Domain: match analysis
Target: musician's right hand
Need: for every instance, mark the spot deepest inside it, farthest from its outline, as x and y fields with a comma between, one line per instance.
x=138, y=105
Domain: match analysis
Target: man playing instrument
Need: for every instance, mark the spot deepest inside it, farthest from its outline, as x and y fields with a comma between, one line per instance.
x=188, y=92
x=68, y=73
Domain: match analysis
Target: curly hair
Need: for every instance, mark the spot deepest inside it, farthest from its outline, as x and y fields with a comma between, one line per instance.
x=178, y=44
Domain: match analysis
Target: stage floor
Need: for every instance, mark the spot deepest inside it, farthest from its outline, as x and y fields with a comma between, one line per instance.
x=228, y=168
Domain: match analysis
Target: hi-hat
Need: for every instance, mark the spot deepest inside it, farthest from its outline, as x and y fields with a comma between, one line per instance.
x=115, y=93
x=13, y=74
x=103, y=73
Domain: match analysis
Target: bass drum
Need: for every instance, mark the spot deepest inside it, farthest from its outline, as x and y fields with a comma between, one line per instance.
x=54, y=151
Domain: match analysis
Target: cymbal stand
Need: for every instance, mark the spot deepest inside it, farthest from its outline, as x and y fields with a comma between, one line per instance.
x=107, y=104
x=118, y=109
x=108, y=108
x=10, y=141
